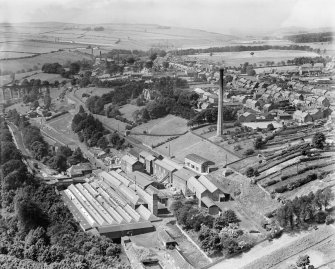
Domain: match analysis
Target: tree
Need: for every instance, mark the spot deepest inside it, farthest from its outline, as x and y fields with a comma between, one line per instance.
x=65, y=151
x=259, y=143
x=318, y=140
x=30, y=215
x=303, y=261
x=102, y=143
x=270, y=127
x=74, y=68
x=250, y=172
x=47, y=101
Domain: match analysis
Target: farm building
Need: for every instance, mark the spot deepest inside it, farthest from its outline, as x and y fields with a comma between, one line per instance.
x=247, y=117
x=130, y=164
x=197, y=163
x=147, y=160
x=180, y=177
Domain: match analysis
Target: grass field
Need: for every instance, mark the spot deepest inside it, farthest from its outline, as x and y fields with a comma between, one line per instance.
x=11, y=54
x=37, y=62
x=128, y=109
x=92, y=91
x=260, y=57
x=49, y=77
x=169, y=125
x=190, y=143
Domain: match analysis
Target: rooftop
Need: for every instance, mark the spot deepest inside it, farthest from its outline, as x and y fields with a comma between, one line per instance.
x=196, y=158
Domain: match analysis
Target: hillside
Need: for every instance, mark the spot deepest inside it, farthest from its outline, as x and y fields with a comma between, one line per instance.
x=126, y=36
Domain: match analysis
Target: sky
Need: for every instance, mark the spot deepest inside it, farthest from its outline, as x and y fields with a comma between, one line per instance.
x=222, y=16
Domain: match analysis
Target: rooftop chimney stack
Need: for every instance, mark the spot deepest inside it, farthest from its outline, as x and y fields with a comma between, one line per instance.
x=220, y=103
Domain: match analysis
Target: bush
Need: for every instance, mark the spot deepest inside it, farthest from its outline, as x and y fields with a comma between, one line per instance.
x=329, y=220
x=250, y=172
x=249, y=152
x=320, y=217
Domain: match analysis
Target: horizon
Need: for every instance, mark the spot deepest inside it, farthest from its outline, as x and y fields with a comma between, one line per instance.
x=241, y=17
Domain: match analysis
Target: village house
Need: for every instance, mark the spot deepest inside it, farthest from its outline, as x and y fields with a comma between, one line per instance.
x=253, y=104
x=323, y=101
x=302, y=117
x=247, y=117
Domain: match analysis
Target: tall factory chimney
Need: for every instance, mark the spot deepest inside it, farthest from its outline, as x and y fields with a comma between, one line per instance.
x=220, y=104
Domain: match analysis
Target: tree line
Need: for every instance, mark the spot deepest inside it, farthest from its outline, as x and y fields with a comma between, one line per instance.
x=91, y=132
x=241, y=48
x=311, y=37
x=40, y=231
x=59, y=159
x=304, y=210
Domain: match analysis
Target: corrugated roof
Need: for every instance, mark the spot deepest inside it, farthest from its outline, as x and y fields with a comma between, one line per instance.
x=141, y=179
x=109, y=179
x=208, y=201
x=144, y=212
x=184, y=174
x=196, y=158
x=121, y=178
x=129, y=194
x=124, y=227
x=165, y=165
x=207, y=183
x=194, y=185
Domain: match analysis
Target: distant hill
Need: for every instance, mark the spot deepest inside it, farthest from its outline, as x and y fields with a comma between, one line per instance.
x=126, y=36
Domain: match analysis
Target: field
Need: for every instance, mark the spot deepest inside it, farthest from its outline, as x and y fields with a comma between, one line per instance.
x=37, y=62
x=125, y=36
x=191, y=143
x=91, y=91
x=49, y=77
x=169, y=125
x=10, y=54
x=127, y=111
x=260, y=57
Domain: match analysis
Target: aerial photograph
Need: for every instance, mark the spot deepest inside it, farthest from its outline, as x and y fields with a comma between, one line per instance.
x=176, y=134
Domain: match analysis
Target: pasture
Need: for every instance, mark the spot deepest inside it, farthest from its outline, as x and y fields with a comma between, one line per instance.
x=11, y=54
x=259, y=57
x=128, y=110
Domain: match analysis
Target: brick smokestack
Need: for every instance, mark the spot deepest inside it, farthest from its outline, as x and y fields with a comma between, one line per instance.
x=220, y=103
